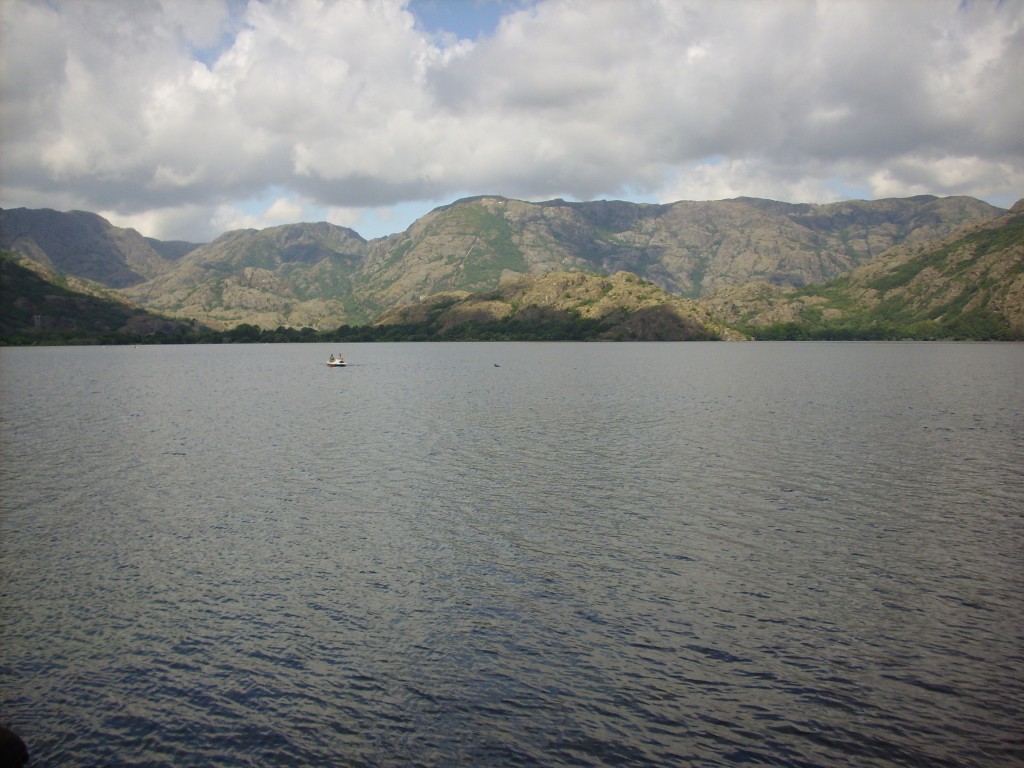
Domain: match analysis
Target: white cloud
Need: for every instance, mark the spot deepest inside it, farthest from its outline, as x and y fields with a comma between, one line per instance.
x=917, y=175
x=194, y=223
x=284, y=209
x=723, y=178
x=180, y=113
x=346, y=217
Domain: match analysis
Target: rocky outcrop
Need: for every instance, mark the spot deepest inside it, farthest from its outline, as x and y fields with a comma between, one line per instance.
x=975, y=275
x=623, y=306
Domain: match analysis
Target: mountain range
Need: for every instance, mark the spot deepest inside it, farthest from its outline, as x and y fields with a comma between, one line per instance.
x=744, y=263
x=969, y=284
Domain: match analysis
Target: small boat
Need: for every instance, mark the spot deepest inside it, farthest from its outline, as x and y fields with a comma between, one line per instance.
x=336, y=362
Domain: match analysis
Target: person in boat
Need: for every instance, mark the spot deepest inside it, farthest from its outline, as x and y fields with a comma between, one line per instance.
x=331, y=358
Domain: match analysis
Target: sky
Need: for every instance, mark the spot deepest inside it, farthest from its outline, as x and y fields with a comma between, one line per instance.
x=188, y=118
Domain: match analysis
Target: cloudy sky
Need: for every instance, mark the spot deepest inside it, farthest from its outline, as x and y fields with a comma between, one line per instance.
x=186, y=118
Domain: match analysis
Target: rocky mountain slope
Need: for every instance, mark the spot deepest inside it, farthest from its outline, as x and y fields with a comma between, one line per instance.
x=968, y=284
x=294, y=275
x=83, y=244
x=322, y=276
x=37, y=303
x=621, y=307
x=688, y=248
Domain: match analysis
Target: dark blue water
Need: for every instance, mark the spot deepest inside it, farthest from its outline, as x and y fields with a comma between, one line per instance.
x=514, y=555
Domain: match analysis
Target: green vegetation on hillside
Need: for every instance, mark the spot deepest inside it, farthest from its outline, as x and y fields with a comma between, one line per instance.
x=978, y=326
x=568, y=328
x=979, y=244
x=967, y=286
x=38, y=311
x=492, y=252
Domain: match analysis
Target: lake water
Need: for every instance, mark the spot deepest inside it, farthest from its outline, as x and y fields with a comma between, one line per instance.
x=800, y=554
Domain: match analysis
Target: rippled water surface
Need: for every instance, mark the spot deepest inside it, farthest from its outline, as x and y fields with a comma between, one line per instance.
x=514, y=555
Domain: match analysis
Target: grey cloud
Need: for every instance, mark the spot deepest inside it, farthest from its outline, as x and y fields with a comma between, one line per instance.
x=350, y=104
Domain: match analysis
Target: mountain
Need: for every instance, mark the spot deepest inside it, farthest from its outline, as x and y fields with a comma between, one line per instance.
x=293, y=275
x=87, y=245
x=688, y=248
x=38, y=304
x=969, y=284
x=323, y=276
x=562, y=305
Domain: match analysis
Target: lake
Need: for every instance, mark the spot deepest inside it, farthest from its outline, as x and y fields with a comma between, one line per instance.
x=521, y=554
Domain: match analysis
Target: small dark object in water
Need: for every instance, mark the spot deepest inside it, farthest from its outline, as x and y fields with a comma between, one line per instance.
x=13, y=752
x=497, y=366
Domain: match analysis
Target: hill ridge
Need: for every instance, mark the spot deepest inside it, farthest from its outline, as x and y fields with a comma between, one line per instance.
x=323, y=275
x=969, y=284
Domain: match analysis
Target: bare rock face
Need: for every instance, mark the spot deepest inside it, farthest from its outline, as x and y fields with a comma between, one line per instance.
x=688, y=248
x=975, y=272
